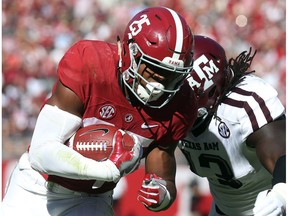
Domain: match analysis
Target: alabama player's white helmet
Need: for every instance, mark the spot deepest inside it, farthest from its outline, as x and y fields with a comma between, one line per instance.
x=210, y=75
x=161, y=39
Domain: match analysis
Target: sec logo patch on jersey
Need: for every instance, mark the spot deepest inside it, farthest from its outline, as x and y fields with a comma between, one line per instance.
x=107, y=111
x=223, y=130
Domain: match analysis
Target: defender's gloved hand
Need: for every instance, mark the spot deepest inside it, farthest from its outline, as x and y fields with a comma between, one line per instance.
x=126, y=160
x=153, y=193
x=272, y=202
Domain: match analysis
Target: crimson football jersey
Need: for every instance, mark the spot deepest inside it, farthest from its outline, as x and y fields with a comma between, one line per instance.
x=90, y=69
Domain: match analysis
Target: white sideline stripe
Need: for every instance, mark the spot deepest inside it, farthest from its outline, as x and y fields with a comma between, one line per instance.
x=179, y=34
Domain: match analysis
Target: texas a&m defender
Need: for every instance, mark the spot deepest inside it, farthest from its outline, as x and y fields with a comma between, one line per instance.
x=238, y=140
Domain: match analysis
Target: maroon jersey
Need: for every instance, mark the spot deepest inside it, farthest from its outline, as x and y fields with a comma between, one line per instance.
x=90, y=69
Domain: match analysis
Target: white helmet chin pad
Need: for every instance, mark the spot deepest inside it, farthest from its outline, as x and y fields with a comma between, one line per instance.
x=152, y=92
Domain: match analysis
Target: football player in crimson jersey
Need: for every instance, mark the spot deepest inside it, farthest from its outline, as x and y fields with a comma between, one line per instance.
x=238, y=140
x=138, y=85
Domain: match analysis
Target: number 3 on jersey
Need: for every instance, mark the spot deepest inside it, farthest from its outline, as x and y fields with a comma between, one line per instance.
x=226, y=176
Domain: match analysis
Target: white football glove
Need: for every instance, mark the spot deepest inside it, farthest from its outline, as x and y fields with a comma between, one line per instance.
x=272, y=202
x=126, y=161
x=153, y=193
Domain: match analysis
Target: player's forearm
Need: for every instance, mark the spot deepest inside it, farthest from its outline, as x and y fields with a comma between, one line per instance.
x=48, y=154
x=158, y=190
x=57, y=159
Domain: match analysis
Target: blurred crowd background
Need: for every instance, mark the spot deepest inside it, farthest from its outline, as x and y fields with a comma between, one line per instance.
x=36, y=33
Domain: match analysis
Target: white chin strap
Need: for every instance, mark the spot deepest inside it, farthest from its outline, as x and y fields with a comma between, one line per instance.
x=152, y=92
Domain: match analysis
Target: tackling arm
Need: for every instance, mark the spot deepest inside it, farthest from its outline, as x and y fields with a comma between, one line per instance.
x=270, y=144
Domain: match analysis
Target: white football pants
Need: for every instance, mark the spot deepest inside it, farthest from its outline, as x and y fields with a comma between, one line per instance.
x=29, y=194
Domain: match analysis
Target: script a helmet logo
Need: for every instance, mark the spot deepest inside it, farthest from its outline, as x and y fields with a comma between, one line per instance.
x=136, y=25
x=107, y=111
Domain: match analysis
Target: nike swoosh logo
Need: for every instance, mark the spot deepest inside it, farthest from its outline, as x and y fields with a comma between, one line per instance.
x=145, y=126
x=104, y=130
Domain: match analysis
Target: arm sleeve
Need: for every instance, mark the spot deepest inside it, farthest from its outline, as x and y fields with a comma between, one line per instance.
x=48, y=154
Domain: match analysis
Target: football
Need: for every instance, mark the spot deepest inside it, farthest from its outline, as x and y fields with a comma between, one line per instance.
x=97, y=141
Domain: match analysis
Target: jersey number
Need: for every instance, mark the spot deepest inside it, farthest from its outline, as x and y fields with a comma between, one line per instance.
x=226, y=177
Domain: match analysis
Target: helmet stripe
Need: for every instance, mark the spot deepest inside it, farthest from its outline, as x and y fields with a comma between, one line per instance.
x=179, y=34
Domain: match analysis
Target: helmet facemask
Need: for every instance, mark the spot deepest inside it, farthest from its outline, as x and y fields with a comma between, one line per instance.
x=156, y=93
x=158, y=41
